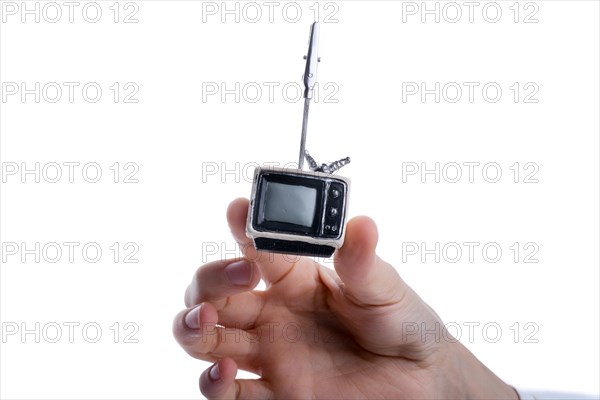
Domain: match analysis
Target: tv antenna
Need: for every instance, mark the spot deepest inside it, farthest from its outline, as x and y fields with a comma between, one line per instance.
x=310, y=79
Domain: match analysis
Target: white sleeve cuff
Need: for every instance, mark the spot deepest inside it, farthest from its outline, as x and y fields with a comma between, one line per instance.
x=539, y=395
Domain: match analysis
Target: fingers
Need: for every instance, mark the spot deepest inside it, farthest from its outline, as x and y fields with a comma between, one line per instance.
x=237, y=212
x=197, y=332
x=226, y=285
x=239, y=311
x=273, y=267
x=367, y=280
x=218, y=382
x=219, y=279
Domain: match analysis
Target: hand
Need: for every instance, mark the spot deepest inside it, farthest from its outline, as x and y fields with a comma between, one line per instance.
x=358, y=332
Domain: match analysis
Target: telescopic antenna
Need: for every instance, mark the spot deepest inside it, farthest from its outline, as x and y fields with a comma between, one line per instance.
x=310, y=79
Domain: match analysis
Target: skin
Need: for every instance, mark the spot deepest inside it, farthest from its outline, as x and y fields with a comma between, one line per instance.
x=357, y=332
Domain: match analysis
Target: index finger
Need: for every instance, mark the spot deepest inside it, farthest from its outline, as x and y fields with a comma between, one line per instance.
x=273, y=266
x=219, y=279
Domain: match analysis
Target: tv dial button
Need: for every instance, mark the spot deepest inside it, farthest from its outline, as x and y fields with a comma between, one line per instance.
x=335, y=193
x=333, y=212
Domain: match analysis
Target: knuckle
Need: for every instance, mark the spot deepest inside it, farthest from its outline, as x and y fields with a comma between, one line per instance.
x=226, y=304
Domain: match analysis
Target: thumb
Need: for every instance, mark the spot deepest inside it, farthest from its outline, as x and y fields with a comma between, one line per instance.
x=372, y=294
x=366, y=279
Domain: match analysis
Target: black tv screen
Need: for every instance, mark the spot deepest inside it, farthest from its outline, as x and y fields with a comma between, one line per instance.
x=290, y=204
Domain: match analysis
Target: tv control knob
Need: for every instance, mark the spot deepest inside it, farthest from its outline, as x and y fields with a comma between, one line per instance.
x=335, y=193
x=333, y=212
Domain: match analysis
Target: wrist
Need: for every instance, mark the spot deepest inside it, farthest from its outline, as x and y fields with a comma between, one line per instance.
x=469, y=378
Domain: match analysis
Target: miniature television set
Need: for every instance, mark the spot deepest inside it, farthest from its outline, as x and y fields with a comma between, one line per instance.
x=297, y=212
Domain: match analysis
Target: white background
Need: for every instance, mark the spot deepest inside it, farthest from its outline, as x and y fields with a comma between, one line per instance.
x=183, y=141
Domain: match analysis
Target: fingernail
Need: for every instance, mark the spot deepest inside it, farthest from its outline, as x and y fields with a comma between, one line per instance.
x=192, y=318
x=239, y=272
x=214, y=373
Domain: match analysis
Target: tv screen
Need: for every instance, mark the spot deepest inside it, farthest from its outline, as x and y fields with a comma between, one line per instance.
x=290, y=204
